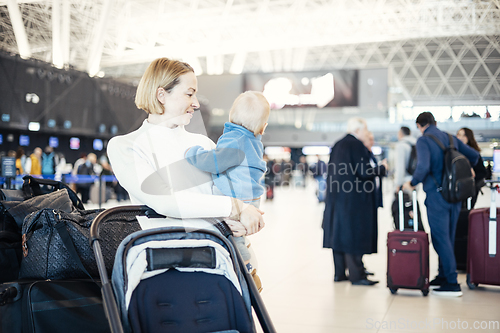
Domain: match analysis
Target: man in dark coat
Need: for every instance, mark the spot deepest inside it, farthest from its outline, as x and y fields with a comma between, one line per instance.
x=350, y=217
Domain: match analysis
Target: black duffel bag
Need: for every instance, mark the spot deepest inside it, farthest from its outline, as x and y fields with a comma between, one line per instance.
x=12, y=214
x=52, y=306
x=56, y=243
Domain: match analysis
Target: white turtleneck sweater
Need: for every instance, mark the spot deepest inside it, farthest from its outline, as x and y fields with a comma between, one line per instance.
x=149, y=163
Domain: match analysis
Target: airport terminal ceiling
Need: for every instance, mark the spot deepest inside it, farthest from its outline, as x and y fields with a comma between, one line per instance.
x=434, y=52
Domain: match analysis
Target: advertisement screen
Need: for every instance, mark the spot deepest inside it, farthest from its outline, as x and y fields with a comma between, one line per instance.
x=74, y=143
x=54, y=142
x=98, y=145
x=329, y=88
x=24, y=140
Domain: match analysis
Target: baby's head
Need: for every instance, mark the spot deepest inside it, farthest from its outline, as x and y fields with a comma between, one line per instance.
x=250, y=110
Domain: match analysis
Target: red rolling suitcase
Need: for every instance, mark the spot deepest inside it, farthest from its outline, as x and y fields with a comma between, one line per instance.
x=483, y=256
x=408, y=255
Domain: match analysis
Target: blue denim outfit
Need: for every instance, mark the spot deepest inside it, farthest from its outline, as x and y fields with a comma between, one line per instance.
x=442, y=215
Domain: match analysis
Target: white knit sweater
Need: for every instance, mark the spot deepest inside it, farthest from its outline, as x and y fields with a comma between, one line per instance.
x=149, y=163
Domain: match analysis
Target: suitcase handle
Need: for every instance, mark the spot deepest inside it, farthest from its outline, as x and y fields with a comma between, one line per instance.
x=401, y=211
x=492, y=225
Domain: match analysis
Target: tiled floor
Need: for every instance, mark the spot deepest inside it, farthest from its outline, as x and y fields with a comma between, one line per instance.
x=301, y=297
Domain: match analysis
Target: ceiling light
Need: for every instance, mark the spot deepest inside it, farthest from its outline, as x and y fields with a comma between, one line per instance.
x=34, y=126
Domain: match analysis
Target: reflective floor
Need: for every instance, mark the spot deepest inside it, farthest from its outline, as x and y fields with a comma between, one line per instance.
x=300, y=294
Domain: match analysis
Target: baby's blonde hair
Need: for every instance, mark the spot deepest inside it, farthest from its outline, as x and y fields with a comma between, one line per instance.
x=250, y=110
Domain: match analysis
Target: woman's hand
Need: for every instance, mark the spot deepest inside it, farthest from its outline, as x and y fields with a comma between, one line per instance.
x=249, y=216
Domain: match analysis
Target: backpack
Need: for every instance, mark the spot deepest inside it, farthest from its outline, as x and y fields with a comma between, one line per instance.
x=412, y=162
x=457, y=181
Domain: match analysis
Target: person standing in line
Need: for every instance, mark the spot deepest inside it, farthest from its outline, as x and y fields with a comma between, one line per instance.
x=20, y=161
x=350, y=216
x=319, y=171
x=466, y=135
x=34, y=163
x=48, y=162
x=442, y=215
x=303, y=167
x=86, y=169
x=369, y=143
x=402, y=157
x=269, y=177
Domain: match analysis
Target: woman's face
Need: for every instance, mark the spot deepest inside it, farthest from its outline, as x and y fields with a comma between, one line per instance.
x=179, y=104
x=461, y=136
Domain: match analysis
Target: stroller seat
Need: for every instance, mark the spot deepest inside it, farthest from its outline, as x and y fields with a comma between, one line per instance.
x=171, y=279
x=181, y=302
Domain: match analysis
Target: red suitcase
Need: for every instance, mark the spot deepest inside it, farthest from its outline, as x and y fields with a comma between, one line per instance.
x=483, y=256
x=408, y=255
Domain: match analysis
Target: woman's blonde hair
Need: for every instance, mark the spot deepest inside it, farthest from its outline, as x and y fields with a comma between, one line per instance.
x=162, y=72
x=250, y=110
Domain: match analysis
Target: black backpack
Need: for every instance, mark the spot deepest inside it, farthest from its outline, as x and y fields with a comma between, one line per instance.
x=412, y=162
x=457, y=181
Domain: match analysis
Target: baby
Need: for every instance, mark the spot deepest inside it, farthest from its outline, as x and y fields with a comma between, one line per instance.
x=237, y=164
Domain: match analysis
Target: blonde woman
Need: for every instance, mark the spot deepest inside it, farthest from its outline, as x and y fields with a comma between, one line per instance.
x=149, y=162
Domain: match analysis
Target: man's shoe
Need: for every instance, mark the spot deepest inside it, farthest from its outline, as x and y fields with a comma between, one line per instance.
x=449, y=289
x=340, y=278
x=437, y=282
x=364, y=282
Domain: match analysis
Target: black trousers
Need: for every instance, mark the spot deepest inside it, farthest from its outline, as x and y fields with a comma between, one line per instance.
x=352, y=262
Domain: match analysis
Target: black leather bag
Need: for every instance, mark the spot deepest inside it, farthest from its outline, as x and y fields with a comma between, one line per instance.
x=12, y=214
x=38, y=186
x=56, y=243
x=52, y=307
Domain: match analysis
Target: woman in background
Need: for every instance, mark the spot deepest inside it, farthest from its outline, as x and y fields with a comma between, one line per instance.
x=466, y=135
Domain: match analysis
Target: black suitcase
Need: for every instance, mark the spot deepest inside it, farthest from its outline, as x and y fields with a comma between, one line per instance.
x=408, y=213
x=52, y=306
x=461, y=239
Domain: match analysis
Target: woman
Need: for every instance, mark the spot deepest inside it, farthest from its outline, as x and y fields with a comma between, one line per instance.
x=467, y=136
x=149, y=162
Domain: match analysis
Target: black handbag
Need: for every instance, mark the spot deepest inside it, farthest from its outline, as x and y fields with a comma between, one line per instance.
x=38, y=186
x=56, y=243
x=52, y=307
x=12, y=214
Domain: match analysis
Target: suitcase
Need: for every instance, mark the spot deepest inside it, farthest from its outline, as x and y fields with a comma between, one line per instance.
x=462, y=236
x=483, y=256
x=408, y=255
x=408, y=212
x=52, y=306
x=461, y=239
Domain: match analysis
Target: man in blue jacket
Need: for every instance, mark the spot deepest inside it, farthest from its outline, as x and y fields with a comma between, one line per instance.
x=442, y=215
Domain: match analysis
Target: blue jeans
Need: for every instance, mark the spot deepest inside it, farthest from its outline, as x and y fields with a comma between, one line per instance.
x=443, y=218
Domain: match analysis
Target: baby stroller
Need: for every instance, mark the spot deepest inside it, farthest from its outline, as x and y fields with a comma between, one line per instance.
x=170, y=280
